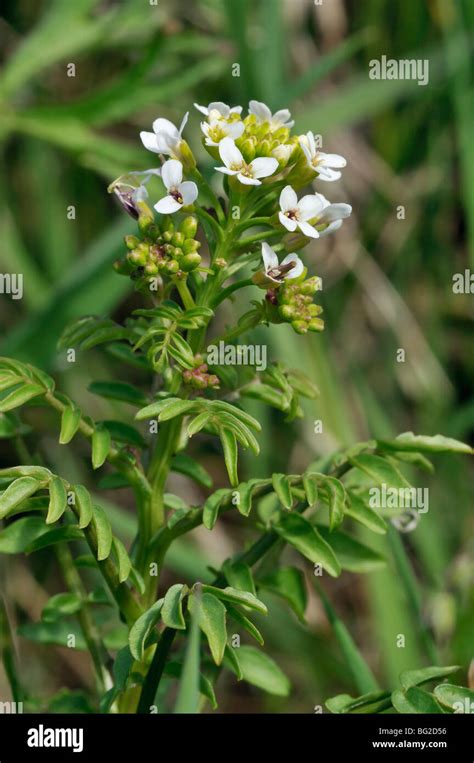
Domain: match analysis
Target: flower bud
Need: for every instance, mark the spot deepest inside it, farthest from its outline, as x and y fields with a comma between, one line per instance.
x=145, y=216
x=186, y=156
x=189, y=227
x=191, y=245
x=131, y=242
x=172, y=266
x=190, y=262
x=178, y=239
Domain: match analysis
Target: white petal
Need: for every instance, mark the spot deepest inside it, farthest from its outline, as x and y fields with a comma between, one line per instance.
x=336, y=212
x=324, y=173
x=172, y=173
x=140, y=194
x=288, y=222
x=288, y=199
x=183, y=123
x=203, y=109
x=281, y=116
x=166, y=128
x=222, y=108
x=309, y=206
x=298, y=268
x=230, y=154
x=260, y=110
x=225, y=170
x=270, y=260
x=235, y=129
x=167, y=205
x=246, y=180
x=149, y=141
x=236, y=110
x=308, y=230
x=311, y=143
x=263, y=166
x=206, y=128
x=332, y=160
x=331, y=228
x=308, y=154
x=189, y=192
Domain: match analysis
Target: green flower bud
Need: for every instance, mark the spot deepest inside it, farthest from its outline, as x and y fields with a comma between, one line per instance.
x=186, y=156
x=168, y=225
x=189, y=227
x=301, y=327
x=151, y=268
x=138, y=257
x=190, y=262
x=145, y=216
x=286, y=311
x=167, y=236
x=191, y=245
x=172, y=266
x=316, y=324
x=178, y=239
x=131, y=242
x=248, y=149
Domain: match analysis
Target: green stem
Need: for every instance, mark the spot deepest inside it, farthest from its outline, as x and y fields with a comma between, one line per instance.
x=224, y=293
x=212, y=196
x=155, y=672
x=203, y=215
x=184, y=293
x=244, y=242
x=95, y=646
x=412, y=592
x=357, y=666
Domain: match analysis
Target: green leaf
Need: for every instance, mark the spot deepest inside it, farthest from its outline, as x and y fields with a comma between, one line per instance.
x=121, y=432
x=175, y=670
x=239, y=575
x=198, y=423
x=57, y=500
x=20, y=396
x=457, y=698
x=231, y=454
x=70, y=702
x=55, y=633
x=121, y=391
x=103, y=530
x=235, y=596
x=70, y=420
x=245, y=622
x=358, y=510
x=310, y=484
x=426, y=444
x=282, y=487
x=260, y=670
x=123, y=559
x=84, y=505
x=181, y=351
x=231, y=661
x=60, y=605
x=101, y=443
x=174, y=408
x=372, y=702
x=142, y=628
x=352, y=555
x=17, y=536
x=246, y=491
x=415, y=700
x=190, y=468
x=297, y=531
x=39, y=472
x=381, y=471
x=62, y=534
x=211, y=614
x=302, y=384
x=212, y=505
x=336, y=498
x=289, y=583
x=15, y=493
x=188, y=694
x=172, y=610
x=409, y=678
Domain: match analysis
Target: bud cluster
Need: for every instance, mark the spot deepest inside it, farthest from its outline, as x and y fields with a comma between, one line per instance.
x=296, y=306
x=163, y=249
x=198, y=377
x=259, y=139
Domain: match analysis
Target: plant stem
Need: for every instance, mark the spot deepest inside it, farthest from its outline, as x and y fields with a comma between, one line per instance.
x=412, y=592
x=155, y=672
x=224, y=293
x=99, y=655
x=363, y=677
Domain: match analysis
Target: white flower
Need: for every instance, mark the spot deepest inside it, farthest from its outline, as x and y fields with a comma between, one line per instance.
x=165, y=138
x=248, y=174
x=331, y=215
x=295, y=214
x=279, y=119
x=218, y=110
x=219, y=129
x=319, y=161
x=129, y=193
x=290, y=267
x=179, y=194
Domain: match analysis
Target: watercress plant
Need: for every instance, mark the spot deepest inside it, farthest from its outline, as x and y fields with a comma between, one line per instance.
x=194, y=250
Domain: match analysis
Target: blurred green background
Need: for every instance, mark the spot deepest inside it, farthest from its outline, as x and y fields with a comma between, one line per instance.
x=387, y=281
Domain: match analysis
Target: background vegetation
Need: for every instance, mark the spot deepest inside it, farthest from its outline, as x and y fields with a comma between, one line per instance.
x=387, y=282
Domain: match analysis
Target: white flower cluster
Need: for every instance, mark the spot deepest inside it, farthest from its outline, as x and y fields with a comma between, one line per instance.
x=253, y=150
